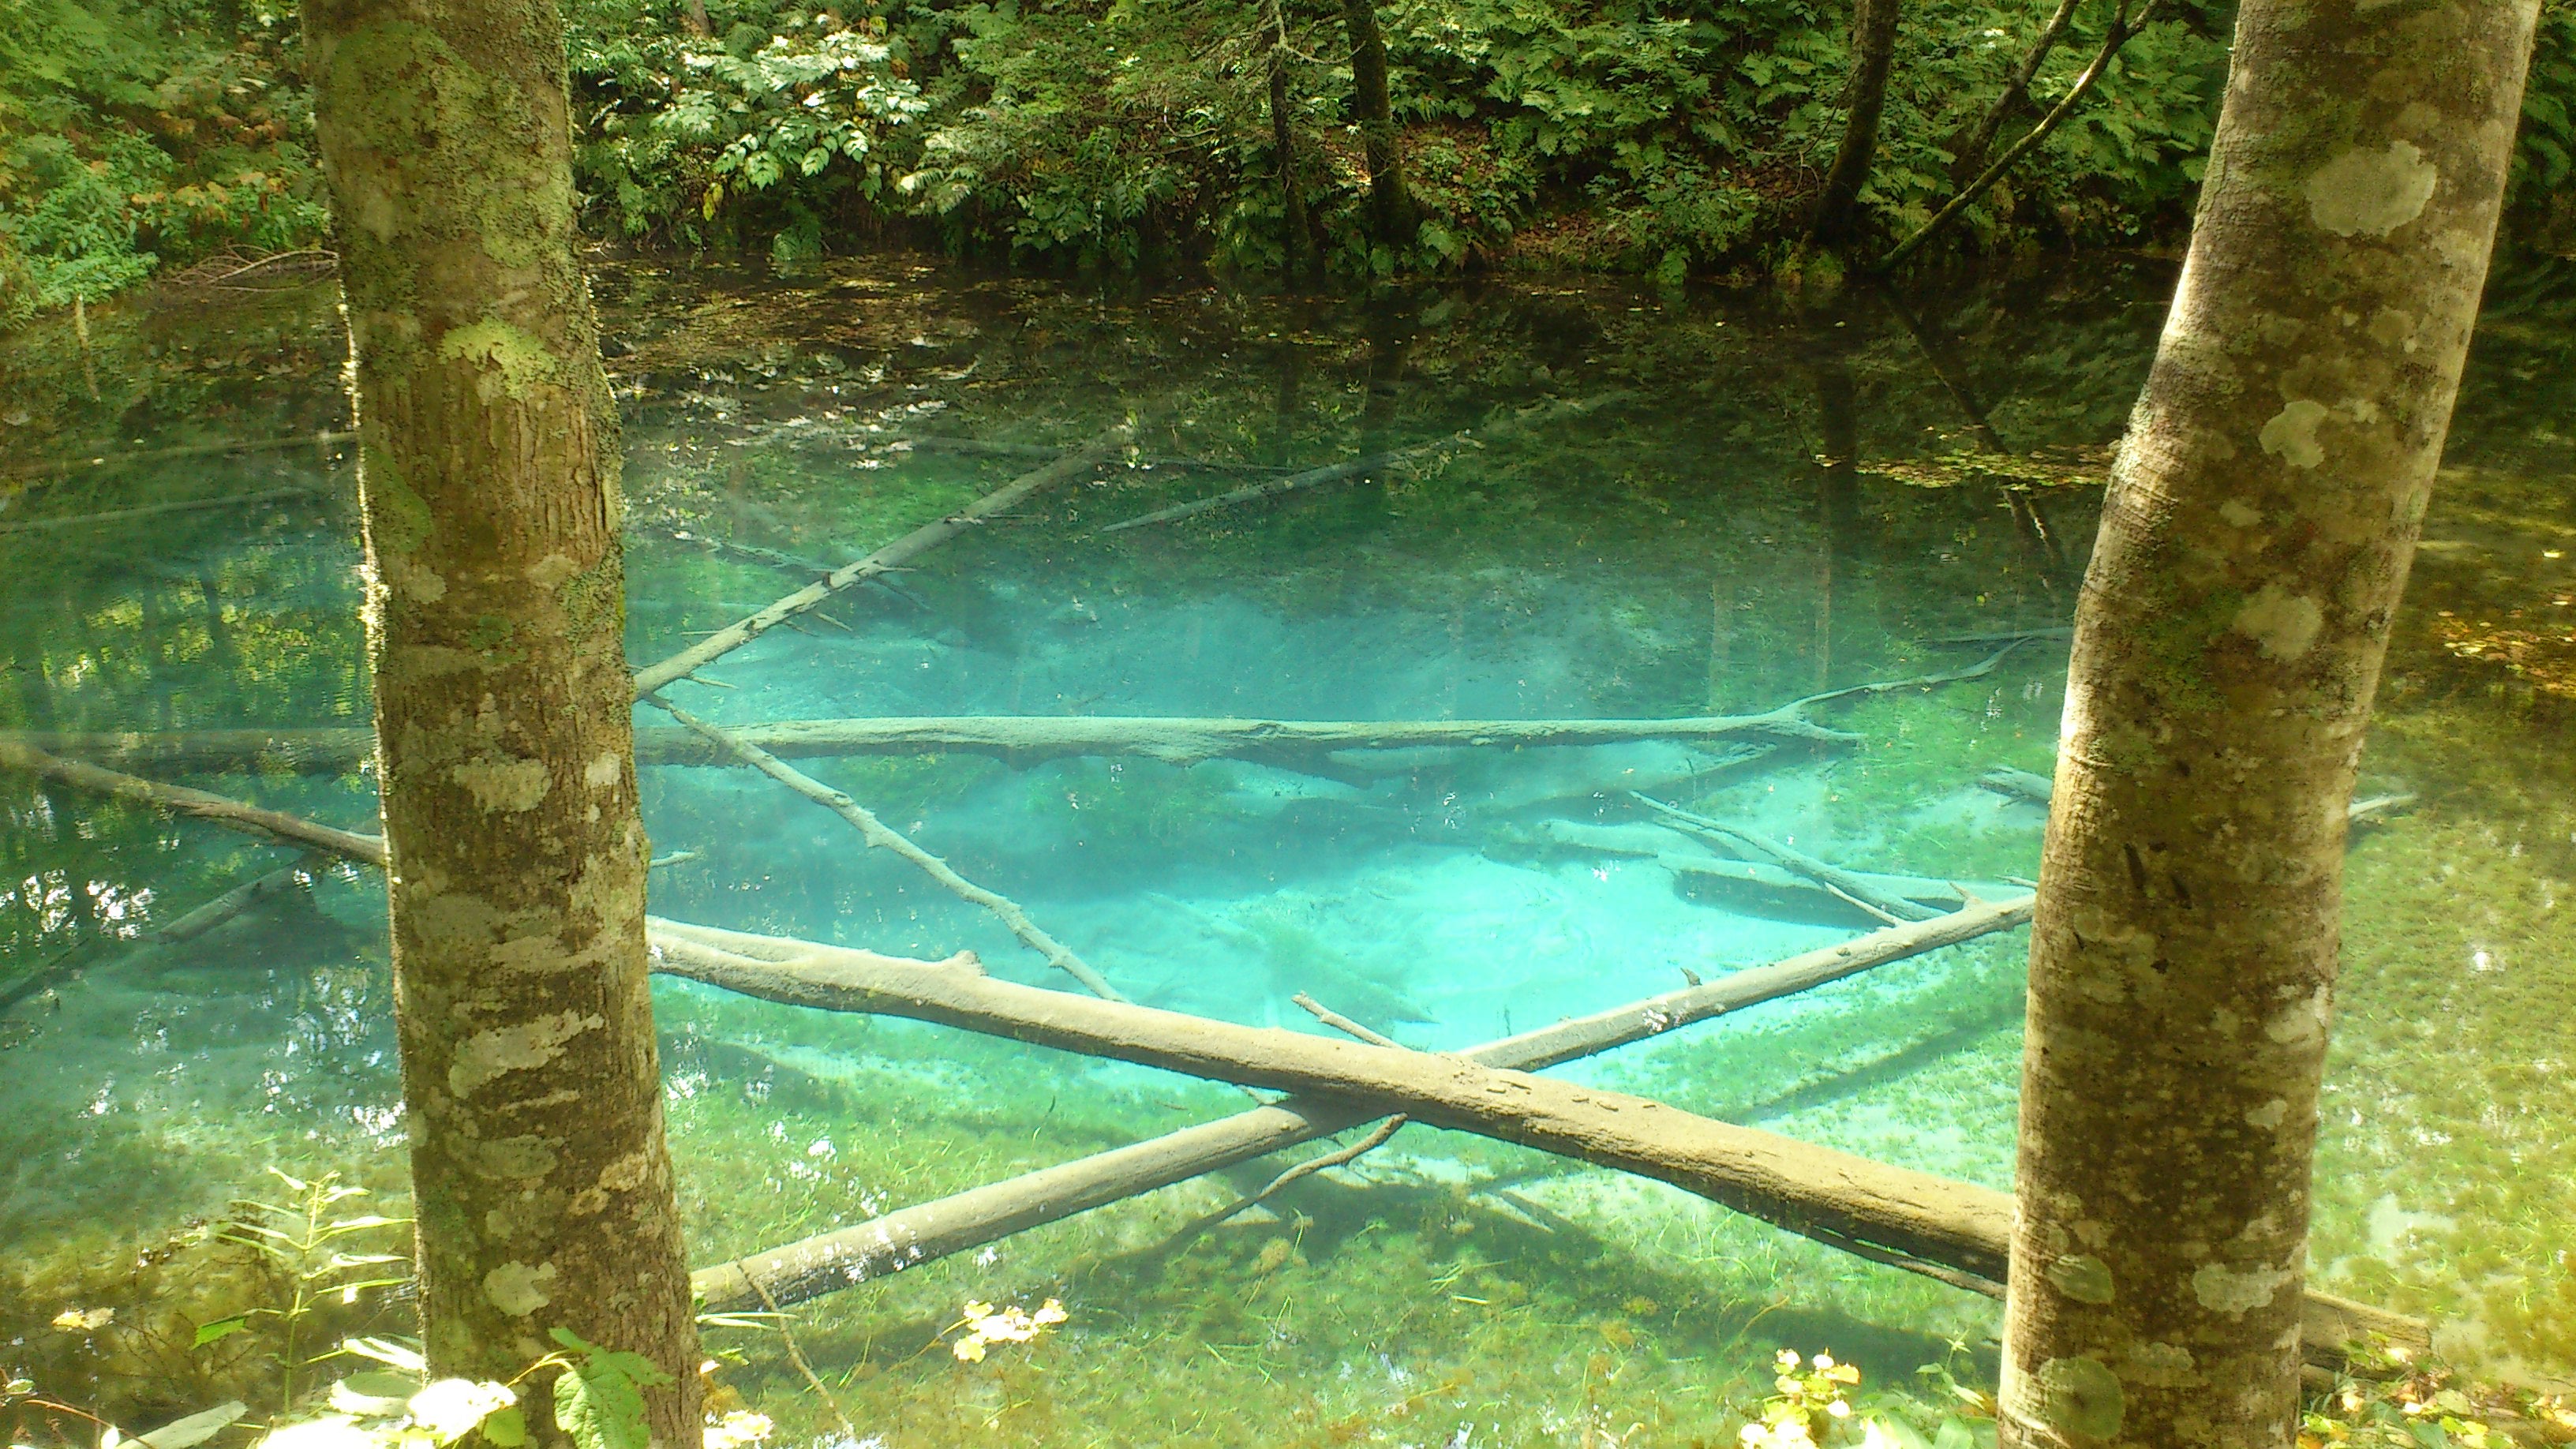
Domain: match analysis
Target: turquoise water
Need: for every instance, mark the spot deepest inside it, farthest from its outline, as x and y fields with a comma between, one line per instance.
x=1776, y=510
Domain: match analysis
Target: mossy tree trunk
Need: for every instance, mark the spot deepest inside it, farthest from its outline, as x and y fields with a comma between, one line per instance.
x=1390, y=208
x=1873, y=51
x=2230, y=634
x=505, y=745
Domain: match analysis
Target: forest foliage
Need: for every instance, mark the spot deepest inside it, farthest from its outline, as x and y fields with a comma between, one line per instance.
x=147, y=136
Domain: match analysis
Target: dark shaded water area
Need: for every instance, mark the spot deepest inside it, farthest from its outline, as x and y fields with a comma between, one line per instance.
x=1785, y=499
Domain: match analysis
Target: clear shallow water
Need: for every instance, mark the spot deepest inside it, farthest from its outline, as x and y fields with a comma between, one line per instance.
x=1684, y=554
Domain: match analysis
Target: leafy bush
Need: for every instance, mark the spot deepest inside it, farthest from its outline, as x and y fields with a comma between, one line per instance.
x=138, y=135
x=142, y=135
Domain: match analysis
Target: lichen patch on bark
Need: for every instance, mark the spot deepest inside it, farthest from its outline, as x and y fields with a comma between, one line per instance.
x=2282, y=624
x=2291, y=435
x=487, y=1055
x=2366, y=192
x=2237, y=1291
x=511, y=785
x=518, y=1289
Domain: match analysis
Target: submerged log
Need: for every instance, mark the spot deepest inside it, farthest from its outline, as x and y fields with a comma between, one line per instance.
x=910, y=1236
x=903, y=550
x=1889, y=906
x=1757, y=883
x=1021, y=739
x=1915, y=1219
x=1176, y=740
x=148, y=510
x=1966, y=1220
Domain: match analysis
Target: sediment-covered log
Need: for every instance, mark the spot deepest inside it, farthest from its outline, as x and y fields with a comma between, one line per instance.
x=2039, y=789
x=881, y=836
x=1180, y=740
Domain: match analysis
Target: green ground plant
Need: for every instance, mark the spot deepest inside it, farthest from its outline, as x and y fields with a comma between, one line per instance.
x=309, y=1242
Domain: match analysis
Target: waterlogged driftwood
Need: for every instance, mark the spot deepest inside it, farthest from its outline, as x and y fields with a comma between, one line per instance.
x=1521, y=421
x=913, y=1236
x=321, y=441
x=1850, y=886
x=1757, y=883
x=903, y=550
x=1020, y=739
x=178, y=799
x=1914, y=1219
x=882, y=836
x=1807, y=1189
x=1180, y=740
x=928, y=1231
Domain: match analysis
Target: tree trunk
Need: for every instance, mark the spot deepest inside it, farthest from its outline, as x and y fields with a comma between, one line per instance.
x=1283, y=145
x=1390, y=210
x=2229, y=638
x=488, y=470
x=1873, y=48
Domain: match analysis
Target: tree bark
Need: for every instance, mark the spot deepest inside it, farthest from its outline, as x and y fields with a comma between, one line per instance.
x=1873, y=50
x=1390, y=209
x=2230, y=634
x=488, y=476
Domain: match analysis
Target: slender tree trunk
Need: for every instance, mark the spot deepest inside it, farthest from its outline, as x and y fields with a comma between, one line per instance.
x=2229, y=638
x=1968, y=150
x=1390, y=209
x=694, y=13
x=488, y=470
x=1283, y=145
x=1873, y=49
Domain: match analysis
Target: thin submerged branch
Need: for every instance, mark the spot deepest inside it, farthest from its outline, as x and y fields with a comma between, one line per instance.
x=885, y=837
x=903, y=550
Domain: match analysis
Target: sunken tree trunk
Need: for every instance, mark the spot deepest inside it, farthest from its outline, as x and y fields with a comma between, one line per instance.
x=2228, y=641
x=488, y=470
x=1873, y=49
x=1390, y=209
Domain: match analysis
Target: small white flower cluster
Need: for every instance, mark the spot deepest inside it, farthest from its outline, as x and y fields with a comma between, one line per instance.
x=985, y=1324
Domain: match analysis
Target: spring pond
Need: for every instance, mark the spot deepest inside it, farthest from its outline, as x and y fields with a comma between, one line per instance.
x=1775, y=506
